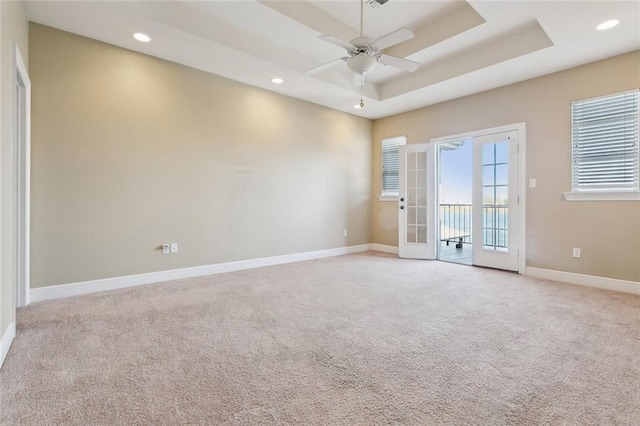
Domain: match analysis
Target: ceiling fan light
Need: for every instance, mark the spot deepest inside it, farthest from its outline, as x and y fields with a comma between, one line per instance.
x=362, y=63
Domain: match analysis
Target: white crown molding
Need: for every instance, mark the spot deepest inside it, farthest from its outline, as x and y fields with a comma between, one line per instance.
x=86, y=287
x=7, y=339
x=585, y=280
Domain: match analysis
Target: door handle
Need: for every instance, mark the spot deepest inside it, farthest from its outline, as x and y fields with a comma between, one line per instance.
x=401, y=198
x=401, y=207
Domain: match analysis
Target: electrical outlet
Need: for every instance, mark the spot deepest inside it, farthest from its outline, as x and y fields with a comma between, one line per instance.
x=532, y=183
x=345, y=233
x=174, y=247
x=166, y=249
x=577, y=252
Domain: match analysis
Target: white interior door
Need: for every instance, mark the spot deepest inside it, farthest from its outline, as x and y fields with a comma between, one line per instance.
x=495, y=201
x=416, y=216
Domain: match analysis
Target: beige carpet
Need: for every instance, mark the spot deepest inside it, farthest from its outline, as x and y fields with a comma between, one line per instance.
x=362, y=339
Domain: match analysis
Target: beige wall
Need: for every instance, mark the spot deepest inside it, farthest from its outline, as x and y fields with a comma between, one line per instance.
x=14, y=29
x=130, y=151
x=607, y=232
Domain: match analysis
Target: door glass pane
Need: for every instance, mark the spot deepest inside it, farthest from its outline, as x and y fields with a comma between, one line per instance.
x=502, y=174
x=411, y=234
x=488, y=174
x=495, y=196
x=411, y=161
x=502, y=152
x=501, y=238
x=422, y=161
x=502, y=195
x=488, y=195
x=488, y=155
x=422, y=215
x=411, y=179
x=422, y=234
x=487, y=217
x=488, y=237
x=411, y=215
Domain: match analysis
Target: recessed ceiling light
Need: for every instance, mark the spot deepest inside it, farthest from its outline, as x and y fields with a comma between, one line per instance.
x=607, y=25
x=142, y=37
x=277, y=80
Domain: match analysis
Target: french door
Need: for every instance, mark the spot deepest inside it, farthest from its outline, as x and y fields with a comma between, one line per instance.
x=495, y=209
x=495, y=200
x=416, y=216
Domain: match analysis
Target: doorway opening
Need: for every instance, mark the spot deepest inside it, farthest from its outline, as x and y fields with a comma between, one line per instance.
x=454, y=201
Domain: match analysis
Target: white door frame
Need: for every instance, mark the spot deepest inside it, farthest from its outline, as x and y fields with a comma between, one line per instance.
x=521, y=128
x=22, y=146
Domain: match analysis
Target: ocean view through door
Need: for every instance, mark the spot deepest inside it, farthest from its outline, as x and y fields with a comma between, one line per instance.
x=455, y=181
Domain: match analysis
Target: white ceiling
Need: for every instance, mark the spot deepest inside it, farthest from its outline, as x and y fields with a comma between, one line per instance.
x=463, y=47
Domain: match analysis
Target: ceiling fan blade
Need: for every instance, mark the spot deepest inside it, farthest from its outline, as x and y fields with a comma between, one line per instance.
x=391, y=39
x=402, y=63
x=325, y=66
x=338, y=42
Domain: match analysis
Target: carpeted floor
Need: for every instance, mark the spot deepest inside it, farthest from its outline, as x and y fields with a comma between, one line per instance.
x=362, y=339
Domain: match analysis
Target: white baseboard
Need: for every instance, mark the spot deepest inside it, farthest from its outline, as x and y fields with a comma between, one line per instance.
x=586, y=280
x=384, y=248
x=7, y=339
x=86, y=287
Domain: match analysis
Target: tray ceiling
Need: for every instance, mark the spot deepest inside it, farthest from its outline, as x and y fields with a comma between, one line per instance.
x=462, y=47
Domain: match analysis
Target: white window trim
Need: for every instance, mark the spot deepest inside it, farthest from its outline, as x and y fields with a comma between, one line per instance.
x=388, y=197
x=602, y=196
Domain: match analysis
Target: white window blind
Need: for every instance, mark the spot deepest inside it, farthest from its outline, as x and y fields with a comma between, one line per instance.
x=391, y=164
x=605, y=143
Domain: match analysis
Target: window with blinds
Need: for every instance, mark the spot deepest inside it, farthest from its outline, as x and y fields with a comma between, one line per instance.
x=391, y=165
x=605, y=143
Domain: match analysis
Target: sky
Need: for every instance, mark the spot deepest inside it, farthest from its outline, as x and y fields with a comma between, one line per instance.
x=455, y=175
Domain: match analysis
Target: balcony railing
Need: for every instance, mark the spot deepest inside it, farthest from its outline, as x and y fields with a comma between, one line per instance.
x=456, y=225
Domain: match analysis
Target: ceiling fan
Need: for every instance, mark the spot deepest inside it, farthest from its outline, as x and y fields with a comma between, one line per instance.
x=364, y=53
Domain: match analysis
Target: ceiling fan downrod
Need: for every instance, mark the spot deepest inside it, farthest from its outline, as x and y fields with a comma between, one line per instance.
x=361, y=17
